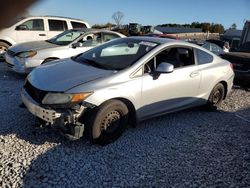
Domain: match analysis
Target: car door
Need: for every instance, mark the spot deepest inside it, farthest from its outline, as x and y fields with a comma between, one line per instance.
x=56, y=26
x=168, y=92
x=31, y=30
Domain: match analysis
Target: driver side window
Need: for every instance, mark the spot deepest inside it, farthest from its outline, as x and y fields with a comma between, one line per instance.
x=33, y=25
x=177, y=56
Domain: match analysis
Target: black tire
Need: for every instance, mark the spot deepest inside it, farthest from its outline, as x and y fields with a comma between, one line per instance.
x=216, y=97
x=108, y=122
x=3, y=47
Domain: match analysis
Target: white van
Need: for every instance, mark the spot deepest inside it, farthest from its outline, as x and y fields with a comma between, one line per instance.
x=37, y=28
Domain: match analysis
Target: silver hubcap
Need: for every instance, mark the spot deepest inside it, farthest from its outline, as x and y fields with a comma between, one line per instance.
x=216, y=97
x=3, y=49
x=111, y=121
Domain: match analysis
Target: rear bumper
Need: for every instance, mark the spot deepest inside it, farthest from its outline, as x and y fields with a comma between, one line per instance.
x=242, y=74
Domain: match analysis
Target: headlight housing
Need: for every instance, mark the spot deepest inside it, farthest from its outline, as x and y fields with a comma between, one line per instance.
x=26, y=54
x=65, y=98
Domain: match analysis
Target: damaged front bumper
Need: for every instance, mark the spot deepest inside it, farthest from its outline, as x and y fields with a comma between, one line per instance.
x=64, y=119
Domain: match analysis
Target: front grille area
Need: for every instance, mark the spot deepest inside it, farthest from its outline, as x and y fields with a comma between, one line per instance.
x=11, y=53
x=36, y=94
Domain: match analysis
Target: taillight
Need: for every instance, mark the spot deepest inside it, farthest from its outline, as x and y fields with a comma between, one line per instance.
x=232, y=66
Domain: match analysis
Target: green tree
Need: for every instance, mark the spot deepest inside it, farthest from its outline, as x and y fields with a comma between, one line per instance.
x=217, y=28
x=233, y=26
x=103, y=26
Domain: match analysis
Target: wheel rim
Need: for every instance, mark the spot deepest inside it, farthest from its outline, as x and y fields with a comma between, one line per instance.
x=217, y=96
x=110, y=122
x=3, y=49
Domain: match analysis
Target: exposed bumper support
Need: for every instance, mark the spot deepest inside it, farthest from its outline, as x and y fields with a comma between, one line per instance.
x=66, y=120
x=44, y=114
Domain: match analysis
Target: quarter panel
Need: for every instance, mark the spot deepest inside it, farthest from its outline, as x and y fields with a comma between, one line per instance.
x=212, y=74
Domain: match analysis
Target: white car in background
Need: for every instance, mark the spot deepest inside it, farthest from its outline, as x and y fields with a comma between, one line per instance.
x=37, y=28
x=22, y=58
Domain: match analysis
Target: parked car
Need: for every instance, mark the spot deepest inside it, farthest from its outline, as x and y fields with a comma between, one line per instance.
x=36, y=28
x=22, y=58
x=122, y=82
x=214, y=48
x=220, y=43
x=241, y=58
x=169, y=36
x=241, y=64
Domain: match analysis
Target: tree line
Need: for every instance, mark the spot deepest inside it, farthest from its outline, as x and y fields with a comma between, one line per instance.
x=205, y=26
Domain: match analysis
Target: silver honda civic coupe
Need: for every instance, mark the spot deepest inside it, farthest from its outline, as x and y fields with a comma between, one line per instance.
x=122, y=82
x=24, y=57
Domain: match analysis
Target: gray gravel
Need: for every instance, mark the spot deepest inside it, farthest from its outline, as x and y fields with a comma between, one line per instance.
x=193, y=148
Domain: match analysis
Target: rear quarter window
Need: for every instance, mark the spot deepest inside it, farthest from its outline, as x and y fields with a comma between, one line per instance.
x=203, y=57
x=78, y=25
x=109, y=36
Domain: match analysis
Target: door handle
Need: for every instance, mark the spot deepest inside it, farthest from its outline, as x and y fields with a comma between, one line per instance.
x=42, y=35
x=194, y=74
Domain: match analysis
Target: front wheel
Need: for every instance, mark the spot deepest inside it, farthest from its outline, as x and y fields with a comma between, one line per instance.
x=3, y=48
x=216, y=97
x=108, y=122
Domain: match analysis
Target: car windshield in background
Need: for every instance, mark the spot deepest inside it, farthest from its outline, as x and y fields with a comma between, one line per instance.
x=116, y=55
x=65, y=38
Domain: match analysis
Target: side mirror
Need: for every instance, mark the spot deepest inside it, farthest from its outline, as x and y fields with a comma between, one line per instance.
x=22, y=27
x=77, y=44
x=165, y=68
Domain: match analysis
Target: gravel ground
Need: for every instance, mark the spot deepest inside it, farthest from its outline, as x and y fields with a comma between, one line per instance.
x=192, y=148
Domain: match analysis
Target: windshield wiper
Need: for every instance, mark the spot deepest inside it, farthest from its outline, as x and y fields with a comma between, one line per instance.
x=74, y=58
x=91, y=62
x=49, y=41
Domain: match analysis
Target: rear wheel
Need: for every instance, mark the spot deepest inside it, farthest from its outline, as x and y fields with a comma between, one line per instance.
x=216, y=97
x=108, y=122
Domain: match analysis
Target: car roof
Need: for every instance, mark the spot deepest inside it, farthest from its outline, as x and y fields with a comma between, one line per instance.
x=160, y=40
x=85, y=30
x=48, y=16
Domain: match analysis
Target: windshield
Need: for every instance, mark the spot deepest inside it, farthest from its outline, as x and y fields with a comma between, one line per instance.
x=65, y=38
x=117, y=54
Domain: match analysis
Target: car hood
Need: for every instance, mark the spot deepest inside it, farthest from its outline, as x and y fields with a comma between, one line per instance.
x=28, y=46
x=62, y=75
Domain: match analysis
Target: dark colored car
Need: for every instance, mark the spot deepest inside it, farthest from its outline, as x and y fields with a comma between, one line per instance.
x=241, y=64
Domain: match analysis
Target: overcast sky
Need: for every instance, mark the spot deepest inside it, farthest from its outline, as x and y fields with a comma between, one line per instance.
x=149, y=12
